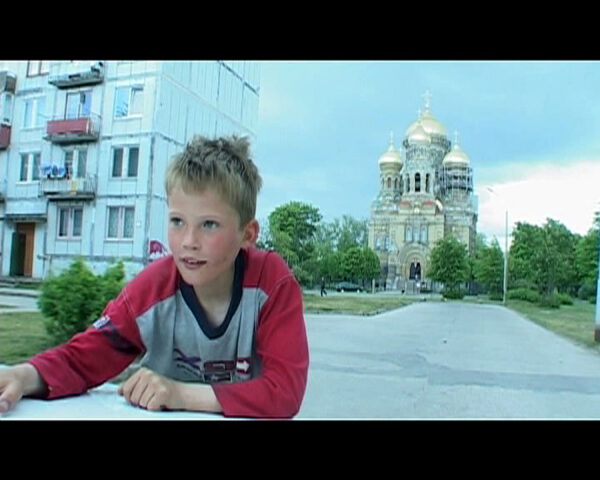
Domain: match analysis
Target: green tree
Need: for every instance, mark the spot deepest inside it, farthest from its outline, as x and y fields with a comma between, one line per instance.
x=448, y=264
x=586, y=263
x=488, y=267
x=292, y=228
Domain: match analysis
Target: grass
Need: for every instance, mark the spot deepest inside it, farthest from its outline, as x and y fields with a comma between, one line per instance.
x=359, y=304
x=22, y=335
x=575, y=322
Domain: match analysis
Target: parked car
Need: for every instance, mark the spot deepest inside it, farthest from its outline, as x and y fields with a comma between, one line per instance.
x=348, y=287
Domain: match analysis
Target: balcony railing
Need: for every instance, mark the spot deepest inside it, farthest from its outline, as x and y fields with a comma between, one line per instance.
x=4, y=137
x=73, y=130
x=67, y=75
x=68, y=188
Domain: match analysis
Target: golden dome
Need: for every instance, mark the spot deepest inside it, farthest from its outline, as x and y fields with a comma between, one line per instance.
x=419, y=135
x=428, y=121
x=391, y=156
x=456, y=157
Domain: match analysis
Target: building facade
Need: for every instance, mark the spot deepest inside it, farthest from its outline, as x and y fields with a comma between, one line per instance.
x=84, y=146
x=426, y=193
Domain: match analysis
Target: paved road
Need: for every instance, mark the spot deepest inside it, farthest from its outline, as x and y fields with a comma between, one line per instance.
x=446, y=361
x=18, y=300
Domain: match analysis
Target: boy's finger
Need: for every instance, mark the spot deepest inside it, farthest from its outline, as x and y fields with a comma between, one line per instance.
x=9, y=397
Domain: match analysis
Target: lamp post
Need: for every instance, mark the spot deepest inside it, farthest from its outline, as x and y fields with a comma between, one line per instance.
x=504, y=284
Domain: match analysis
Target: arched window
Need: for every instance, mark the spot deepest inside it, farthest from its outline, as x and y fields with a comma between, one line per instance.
x=427, y=183
x=389, y=182
x=408, y=236
x=395, y=184
x=423, y=234
x=417, y=182
x=407, y=184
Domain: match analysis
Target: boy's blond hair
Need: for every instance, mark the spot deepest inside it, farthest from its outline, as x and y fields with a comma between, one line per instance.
x=224, y=164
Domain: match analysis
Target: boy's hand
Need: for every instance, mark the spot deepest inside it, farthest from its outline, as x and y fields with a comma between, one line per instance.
x=11, y=389
x=152, y=391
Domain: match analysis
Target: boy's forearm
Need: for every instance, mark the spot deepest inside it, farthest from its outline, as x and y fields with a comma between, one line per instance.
x=33, y=384
x=199, y=397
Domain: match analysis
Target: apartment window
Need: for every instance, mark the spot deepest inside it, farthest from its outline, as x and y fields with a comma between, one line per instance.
x=70, y=221
x=34, y=113
x=78, y=105
x=129, y=101
x=37, y=67
x=120, y=223
x=76, y=163
x=125, y=162
x=30, y=167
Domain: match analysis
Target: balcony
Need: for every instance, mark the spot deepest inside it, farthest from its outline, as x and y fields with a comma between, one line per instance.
x=4, y=137
x=66, y=188
x=76, y=74
x=74, y=130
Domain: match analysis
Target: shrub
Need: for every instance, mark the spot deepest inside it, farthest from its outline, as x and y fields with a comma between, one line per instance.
x=523, y=294
x=550, y=301
x=564, y=298
x=453, y=294
x=496, y=296
x=73, y=300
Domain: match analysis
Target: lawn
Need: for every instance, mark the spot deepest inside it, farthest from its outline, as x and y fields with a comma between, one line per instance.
x=575, y=322
x=355, y=304
x=22, y=334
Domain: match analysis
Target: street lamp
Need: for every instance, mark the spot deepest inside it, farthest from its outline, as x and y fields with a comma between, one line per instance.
x=505, y=249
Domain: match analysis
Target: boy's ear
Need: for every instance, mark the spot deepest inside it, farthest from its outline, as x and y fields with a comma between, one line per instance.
x=250, y=233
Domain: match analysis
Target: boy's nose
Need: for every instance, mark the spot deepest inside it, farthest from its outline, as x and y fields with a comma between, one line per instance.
x=190, y=240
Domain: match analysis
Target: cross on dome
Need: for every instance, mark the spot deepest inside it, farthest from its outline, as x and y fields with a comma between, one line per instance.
x=427, y=97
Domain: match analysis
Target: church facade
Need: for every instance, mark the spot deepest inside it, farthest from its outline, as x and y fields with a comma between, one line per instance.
x=425, y=194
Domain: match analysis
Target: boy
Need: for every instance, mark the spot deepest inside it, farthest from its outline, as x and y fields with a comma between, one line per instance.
x=219, y=323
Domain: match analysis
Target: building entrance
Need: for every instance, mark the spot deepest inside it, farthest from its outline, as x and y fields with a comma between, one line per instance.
x=415, y=271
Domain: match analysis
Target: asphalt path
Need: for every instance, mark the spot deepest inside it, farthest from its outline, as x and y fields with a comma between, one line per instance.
x=437, y=360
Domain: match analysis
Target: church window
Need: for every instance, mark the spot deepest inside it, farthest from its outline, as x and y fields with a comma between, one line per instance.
x=427, y=183
x=395, y=184
x=408, y=236
x=389, y=182
x=407, y=184
x=423, y=234
x=417, y=182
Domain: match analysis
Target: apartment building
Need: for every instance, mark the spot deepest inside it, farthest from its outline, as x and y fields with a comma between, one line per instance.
x=83, y=150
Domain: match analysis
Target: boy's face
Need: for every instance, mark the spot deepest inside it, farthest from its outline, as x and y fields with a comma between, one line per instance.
x=205, y=237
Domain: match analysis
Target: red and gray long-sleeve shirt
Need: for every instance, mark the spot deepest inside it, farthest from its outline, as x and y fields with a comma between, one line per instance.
x=256, y=360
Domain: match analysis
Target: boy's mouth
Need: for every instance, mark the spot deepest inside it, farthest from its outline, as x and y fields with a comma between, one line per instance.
x=192, y=262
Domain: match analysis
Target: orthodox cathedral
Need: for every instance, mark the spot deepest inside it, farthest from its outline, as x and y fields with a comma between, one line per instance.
x=426, y=193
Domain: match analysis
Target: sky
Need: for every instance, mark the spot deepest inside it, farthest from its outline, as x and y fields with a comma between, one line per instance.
x=531, y=130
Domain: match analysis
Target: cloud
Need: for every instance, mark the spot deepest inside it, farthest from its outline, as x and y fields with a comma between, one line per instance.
x=569, y=194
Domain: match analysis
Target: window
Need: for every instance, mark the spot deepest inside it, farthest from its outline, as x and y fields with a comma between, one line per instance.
x=34, y=113
x=70, y=220
x=78, y=105
x=30, y=167
x=129, y=101
x=37, y=67
x=76, y=163
x=120, y=223
x=125, y=162
x=427, y=183
x=423, y=234
x=417, y=182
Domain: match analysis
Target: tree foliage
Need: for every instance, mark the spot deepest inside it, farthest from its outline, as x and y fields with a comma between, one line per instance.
x=488, y=267
x=73, y=300
x=448, y=264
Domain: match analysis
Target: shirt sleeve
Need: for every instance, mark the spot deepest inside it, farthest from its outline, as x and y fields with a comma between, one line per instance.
x=94, y=356
x=282, y=346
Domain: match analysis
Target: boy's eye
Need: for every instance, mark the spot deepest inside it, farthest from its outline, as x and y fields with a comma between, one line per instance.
x=176, y=222
x=210, y=224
